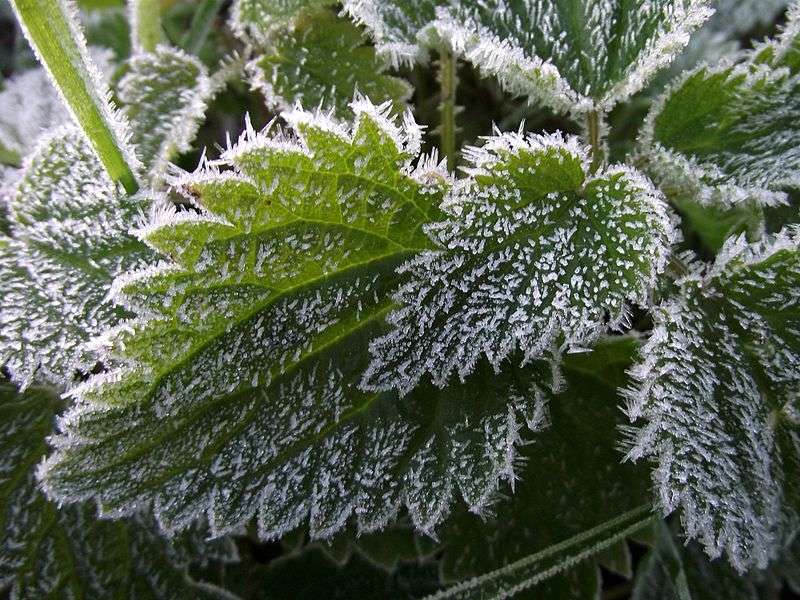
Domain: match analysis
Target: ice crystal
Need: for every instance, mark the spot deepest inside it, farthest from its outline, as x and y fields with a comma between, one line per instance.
x=715, y=398
x=742, y=141
x=69, y=224
x=572, y=56
x=47, y=552
x=536, y=253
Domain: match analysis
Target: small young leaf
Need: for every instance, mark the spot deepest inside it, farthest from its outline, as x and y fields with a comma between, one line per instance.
x=716, y=391
x=69, y=224
x=573, y=56
x=323, y=61
x=730, y=133
x=536, y=252
x=164, y=95
x=48, y=552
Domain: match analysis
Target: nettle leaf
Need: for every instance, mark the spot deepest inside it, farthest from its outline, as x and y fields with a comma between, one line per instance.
x=323, y=61
x=51, y=552
x=257, y=336
x=573, y=56
x=258, y=20
x=165, y=95
x=715, y=392
x=729, y=133
x=572, y=481
x=70, y=239
x=536, y=253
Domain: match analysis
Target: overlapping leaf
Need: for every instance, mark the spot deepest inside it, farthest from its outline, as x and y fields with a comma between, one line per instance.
x=256, y=338
x=730, y=132
x=164, y=95
x=47, y=552
x=536, y=253
x=716, y=394
x=574, y=56
x=572, y=482
x=323, y=61
x=70, y=239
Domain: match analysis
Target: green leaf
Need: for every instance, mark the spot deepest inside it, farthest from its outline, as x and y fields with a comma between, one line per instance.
x=255, y=336
x=715, y=397
x=53, y=30
x=323, y=61
x=729, y=133
x=49, y=552
x=576, y=56
x=682, y=572
x=536, y=254
x=572, y=482
x=165, y=95
x=69, y=224
x=258, y=20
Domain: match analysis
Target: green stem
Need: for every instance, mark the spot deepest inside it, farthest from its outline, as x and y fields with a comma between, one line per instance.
x=531, y=570
x=594, y=133
x=52, y=29
x=146, y=25
x=448, y=81
x=202, y=21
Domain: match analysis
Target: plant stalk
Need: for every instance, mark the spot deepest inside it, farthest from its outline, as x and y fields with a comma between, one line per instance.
x=146, y=27
x=202, y=21
x=595, y=138
x=448, y=81
x=51, y=27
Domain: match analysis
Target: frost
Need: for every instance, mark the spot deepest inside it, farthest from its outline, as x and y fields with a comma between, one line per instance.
x=235, y=393
x=574, y=57
x=69, y=225
x=164, y=96
x=536, y=254
x=715, y=400
x=322, y=62
x=742, y=141
x=51, y=552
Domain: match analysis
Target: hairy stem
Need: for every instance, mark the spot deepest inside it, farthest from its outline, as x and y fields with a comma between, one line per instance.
x=594, y=134
x=146, y=24
x=52, y=29
x=202, y=21
x=448, y=81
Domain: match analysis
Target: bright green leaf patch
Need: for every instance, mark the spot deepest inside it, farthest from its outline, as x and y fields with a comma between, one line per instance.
x=722, y=426
x=323, y=61
x=729, y=132
x=51, y=552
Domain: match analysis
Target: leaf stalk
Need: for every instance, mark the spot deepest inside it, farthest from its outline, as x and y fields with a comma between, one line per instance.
x=448, y=82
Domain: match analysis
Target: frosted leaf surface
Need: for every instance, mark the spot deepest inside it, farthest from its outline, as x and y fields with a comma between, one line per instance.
x=571, y=480
x=535, y=253
x=164, y=96
x=237, y=394
x=69, y=225
x=575, y=55
x=715, y=400
x=323, y=61
x=730, y=132
x=47, y=552
x=258, y=20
